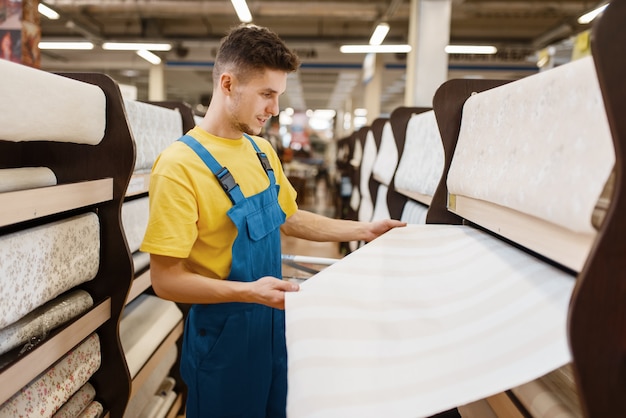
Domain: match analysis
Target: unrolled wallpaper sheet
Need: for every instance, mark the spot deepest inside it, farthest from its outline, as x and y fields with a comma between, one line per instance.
x=421, y=320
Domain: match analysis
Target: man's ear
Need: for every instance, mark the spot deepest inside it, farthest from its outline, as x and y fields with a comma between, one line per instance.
x=226, y=83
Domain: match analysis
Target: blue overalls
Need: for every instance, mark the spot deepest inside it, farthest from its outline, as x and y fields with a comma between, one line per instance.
x=234, y=358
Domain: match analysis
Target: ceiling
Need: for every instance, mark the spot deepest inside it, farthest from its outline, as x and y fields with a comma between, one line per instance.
x=315, y=29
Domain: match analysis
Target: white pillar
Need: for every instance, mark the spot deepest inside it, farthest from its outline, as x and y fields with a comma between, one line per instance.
x=156, y=83
x=374, y=89
x=427, y=63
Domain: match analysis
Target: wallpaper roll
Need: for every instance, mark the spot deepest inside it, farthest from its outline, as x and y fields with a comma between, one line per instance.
x=140, y=261
x=23, y=178
x=77, y=403
x=154, y=128
x=548, y=155
x=38, y=323
x=47, y=393
x=387, y=157
x=135, y=221
x=414, y=212
x=30, y=100
x=146, y=321
x=421, y=320
x=366, y=205
x=421, y=164
x=94, y=410
x=40, y=263
x=151, y=386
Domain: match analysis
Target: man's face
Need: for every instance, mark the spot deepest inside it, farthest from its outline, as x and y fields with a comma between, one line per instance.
x=254, y=102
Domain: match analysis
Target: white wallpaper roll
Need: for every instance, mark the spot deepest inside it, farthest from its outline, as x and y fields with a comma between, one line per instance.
x=138, y=402
x=23, y=178
x=414, y=213
x=387, y=157
x=47, y=393
x=421, y=164
x=47, y=107
x=545, y=148
x=146, y=321
x=135, y=221
x=40, y=263
x=366, y=205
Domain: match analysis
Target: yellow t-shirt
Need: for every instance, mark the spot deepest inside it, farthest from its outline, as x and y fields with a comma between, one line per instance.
x=188, y=206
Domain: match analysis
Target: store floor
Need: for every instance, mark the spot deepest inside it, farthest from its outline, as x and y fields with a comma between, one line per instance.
x=317, y=198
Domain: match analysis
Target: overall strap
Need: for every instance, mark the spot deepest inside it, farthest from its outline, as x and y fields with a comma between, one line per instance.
x=226, y=180
x=265, y=162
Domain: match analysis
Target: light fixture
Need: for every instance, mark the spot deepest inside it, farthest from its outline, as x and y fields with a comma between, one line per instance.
x=379, y=33
x=376, y=49
x=65, y=45
x=588, y=17
x=241, y=8
x=135, y=46
x=47, y=12
x=149, y=56
x=471, y=49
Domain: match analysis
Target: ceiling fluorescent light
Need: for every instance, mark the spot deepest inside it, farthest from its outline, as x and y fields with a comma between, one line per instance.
x=588, y=17
x=149, y=56
x=47, y=12
x=379, y=34
x=65, y=45
x=382, y=49
x=133, y=46
x=241, y=8
x=471, y=49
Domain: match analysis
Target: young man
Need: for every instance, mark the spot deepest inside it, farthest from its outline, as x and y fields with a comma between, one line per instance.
x=218, y=201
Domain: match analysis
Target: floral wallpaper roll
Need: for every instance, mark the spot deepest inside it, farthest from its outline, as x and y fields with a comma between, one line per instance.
x=43, y=396
x=26, y=178
x=94, y=410
x=40, y=263
x=77, y=403
x=42, y=320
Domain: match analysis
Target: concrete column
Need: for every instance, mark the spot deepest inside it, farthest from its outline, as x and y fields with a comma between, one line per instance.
x=374, y=89
x=156, y=83
x=427, y=63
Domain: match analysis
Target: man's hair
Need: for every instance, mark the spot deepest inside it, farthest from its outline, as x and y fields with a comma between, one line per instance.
x=248, y=48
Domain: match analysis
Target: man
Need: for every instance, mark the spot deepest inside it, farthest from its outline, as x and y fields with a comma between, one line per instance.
x=218, y=201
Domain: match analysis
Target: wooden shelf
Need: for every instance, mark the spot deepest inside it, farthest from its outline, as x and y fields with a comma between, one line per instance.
x=24, y=205
x=49, y=352
x=138, y=286
x=178, y=403
x=138, y=184
x=157, y=357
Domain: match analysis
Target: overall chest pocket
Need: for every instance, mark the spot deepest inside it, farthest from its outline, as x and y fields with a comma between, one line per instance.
x=264, y=221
